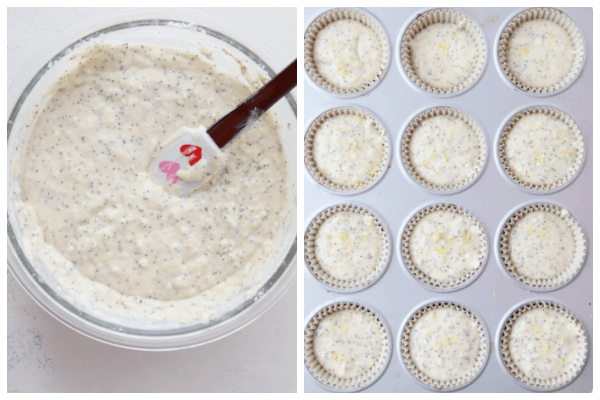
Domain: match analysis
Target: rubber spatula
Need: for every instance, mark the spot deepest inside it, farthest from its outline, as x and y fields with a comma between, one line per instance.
x=192, y=156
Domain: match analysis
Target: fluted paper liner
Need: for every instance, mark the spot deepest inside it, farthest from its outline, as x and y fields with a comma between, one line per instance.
x=323, y=276
x=312, y=165
x=434, y=383
x=335, y=15
x=579, y=145
x=542, y=384
x=416, y=123
x=578, y=258
x=320, y=373
x=552, y=15
x=416, y=272
x=442, y=16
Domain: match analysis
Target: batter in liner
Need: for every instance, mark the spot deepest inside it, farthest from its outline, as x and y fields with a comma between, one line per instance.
x=544, y=343
x=348, y=54
x=348, y=343
x=446, y=246
x=348, y=245
x=444, y=55
x=85, y=181
x=445, y=151
x=540, y=53
x=444, y=344
x=349, y=150
x=541, y=245
x=542, y=150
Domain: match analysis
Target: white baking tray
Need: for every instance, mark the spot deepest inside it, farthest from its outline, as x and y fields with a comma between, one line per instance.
x=491, y=101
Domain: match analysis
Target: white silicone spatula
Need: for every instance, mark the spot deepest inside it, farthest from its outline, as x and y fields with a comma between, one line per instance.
x=196, y=152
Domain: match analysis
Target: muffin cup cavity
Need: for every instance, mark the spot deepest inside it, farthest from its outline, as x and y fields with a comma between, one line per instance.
x=437, y=16
x=562, y=20
x=542, y=384
x=569, y=174
x=408, y=162
x=419, y=275
x=323, y=276
x=543, y=284
x=336, y=15
x=439, y=385
x=312, y=166
x=331, y=381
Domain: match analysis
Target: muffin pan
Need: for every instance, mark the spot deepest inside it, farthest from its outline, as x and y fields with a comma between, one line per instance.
x=396, y=197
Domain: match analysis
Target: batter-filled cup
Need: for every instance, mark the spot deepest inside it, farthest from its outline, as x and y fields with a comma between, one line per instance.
x=443, y=149
x=443, y=51
x=444, y=346
x=541, y=149
x=543, y=345
x=541, y=51
x=346, y=51
x=542, y=247
x=346, y=149
x=347, y=247
x=444, y=246
x=347, y=346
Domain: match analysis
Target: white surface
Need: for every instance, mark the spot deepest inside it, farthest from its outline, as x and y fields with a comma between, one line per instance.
x=46, y=356
x=395, y=102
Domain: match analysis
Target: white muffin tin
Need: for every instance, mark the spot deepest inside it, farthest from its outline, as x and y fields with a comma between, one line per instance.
x=490, y=101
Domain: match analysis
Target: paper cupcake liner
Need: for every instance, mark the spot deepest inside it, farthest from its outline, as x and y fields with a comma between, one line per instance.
x=568, y=274
x=552, y=112
x=416, y=272
x=334, y=382
x=436, y=16
x=542, y=384
x=323, y=276
x=434, y=112
x=335, y=15
x=433, y=383
x=312, y=165
x=561, y=19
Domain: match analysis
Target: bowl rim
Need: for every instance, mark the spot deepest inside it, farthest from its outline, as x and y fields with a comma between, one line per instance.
x=43, y=294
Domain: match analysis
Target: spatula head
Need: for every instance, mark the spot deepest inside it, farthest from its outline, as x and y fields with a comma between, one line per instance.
x=186, y=161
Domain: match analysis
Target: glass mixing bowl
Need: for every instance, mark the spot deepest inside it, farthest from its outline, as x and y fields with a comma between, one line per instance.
x=175, y=28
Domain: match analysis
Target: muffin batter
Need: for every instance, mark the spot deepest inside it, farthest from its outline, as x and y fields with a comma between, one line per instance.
x=349, y=150
x=543, y=343
x=540, y=53
x=86, y=185
x=542, y=150
x=541, y=245
x=445, y=151
x=348, y=245
x=348, y=54
x=444, y=344
x=446, y=246
x=443, y=55
x=348, y=343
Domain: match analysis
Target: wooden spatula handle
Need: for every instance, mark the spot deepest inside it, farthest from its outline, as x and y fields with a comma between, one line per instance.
x=226, y=128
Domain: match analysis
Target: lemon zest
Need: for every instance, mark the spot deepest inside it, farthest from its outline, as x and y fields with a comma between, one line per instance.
x=466, y=237
x=344, y=237
x=530, y=227
x=444, y=46
x=566, y=152
x=443, y=250
x=545, y=230
x=342, y=67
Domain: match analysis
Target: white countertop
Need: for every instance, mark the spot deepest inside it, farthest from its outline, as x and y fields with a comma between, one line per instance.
x=46, y=356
